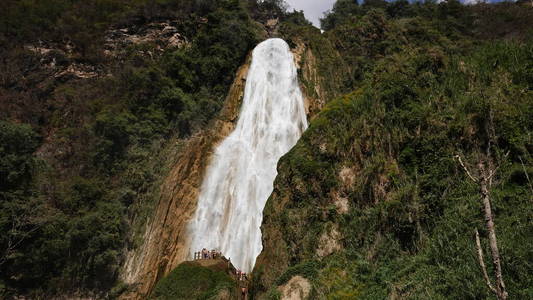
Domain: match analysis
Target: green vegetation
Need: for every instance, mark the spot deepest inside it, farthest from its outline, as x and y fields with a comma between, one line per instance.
x=79, y=237
x=413, y=210
x=192, y=281
x=307, y=269
x=68, y=216
x=81, y=159
x=17, y=165
x=426, y=85
x=19, y=210
x=296, y=30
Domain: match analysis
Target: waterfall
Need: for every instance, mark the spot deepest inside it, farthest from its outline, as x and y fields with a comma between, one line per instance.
x=240, y=177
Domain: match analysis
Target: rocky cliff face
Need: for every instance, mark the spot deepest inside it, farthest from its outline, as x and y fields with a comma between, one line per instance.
x=316, y=87
x=42, y=69
x=165, y=242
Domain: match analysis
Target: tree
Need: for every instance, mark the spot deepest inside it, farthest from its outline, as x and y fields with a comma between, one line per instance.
x=20, y=214
x=486, y=171
x=342, y=11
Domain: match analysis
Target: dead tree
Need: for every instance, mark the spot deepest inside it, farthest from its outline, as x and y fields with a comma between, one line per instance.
x=484, y=179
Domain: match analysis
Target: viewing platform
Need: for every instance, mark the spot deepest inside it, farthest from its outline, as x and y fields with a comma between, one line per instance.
x=215, y=260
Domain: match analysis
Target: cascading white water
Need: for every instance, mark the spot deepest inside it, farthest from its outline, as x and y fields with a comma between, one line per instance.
x=240, y=177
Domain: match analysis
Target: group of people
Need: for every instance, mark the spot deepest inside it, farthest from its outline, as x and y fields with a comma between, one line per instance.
x=206, y=254
x=241, y=276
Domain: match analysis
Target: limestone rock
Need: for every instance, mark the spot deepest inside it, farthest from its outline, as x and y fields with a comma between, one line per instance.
x=314, y=97
x=164, y=35
x=298, y=288
x=329, y=242
x=341, y=203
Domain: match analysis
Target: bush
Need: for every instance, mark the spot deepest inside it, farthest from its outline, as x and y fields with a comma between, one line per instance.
x=17, y=164
x=192, y=281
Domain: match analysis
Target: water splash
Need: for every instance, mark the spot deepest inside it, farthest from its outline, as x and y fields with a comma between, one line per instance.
x=240, y=178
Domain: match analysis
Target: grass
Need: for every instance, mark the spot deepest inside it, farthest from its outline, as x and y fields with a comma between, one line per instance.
x=192, y=281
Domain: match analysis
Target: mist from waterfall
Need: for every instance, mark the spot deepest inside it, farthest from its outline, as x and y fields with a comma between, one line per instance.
x=241, y=174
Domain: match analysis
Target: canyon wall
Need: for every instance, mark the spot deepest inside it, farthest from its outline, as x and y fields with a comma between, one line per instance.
x=165, y=242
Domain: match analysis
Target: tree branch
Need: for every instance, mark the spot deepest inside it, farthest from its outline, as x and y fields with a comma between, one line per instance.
x=482, y=262
x=484, y=187
x=493, y=172
x=465, y=168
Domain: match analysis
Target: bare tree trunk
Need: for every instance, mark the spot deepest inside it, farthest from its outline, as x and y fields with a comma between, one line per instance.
x=484, y=184
x=484, y=181
x=482, y=263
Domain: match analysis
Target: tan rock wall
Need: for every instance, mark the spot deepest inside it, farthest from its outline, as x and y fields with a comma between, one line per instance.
x=298, y=288
x=166, y=242
x=314, y=96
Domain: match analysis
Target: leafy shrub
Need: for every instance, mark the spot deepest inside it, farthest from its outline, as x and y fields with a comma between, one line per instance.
x=192, y=281
x=17, y=144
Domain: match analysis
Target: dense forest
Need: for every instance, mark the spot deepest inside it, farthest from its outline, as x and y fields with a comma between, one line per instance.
x=81, y=157
x=90, y=122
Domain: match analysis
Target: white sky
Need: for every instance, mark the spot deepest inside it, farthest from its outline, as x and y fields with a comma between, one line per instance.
x=313, y=9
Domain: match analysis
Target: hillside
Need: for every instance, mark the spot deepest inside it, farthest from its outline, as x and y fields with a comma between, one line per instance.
x=111, y=110
x=373, y=202
x=98, y=100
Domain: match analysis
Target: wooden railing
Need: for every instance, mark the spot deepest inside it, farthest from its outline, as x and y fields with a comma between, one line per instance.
x=213, y=254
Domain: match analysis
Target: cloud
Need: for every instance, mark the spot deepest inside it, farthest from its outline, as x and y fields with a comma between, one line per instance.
x=313, y=9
